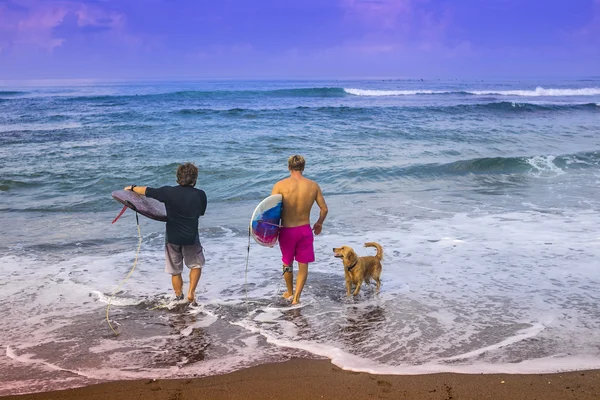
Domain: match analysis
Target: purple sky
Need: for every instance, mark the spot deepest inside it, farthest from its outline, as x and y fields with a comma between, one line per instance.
x=298, y=38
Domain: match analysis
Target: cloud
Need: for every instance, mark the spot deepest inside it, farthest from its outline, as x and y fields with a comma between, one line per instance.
x=377, y=13
x=37, y=27
x=41, y=24
x=95, y=17
x=591, y=31
x=401, y=30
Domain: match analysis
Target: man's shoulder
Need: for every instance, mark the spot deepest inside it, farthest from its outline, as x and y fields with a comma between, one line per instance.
x=161, y=189
x=200, y=191
x=183, y=190
x=311, y=183
x=294, y=182
x=283, y=182
x=194, y=190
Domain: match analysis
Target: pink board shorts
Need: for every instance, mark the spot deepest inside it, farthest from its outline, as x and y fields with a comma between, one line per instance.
x=296, y=243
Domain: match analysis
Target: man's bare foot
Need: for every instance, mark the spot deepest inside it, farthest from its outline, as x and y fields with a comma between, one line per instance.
x=191, y=296
x=286, y=295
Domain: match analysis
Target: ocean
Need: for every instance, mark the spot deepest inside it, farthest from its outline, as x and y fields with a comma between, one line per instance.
x=483, y=194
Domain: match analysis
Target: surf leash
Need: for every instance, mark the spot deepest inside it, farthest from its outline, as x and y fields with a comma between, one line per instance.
x=121, y=213
x=269, y=223
x=246, y=272
x=128, y=205
x=245, y=276
x=137, y=254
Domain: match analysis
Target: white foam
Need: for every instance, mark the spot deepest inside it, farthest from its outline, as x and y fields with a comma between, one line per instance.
x=540, y=92
x=519, y=336
x=544, y=164
x=374, y=92
x=115, y=300
x=202, y=323
x=268, y=315
x=477, y=279
x=351, y=362
x=171, y=304
x=39, y=127
x=24, y=386
x=537, y=92
x=28, y=359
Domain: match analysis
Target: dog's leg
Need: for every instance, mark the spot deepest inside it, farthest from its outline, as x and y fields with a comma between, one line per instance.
x=377, y=276
x=358, y=285
x=348, y=287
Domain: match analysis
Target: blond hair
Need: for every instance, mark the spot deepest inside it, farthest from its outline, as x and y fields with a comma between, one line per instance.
x=296, y=163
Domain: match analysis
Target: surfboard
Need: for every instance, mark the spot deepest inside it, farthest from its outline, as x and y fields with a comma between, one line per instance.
x=264, y=224
x=146, y=206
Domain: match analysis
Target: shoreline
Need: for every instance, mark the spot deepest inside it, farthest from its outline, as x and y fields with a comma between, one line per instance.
x=315, y=379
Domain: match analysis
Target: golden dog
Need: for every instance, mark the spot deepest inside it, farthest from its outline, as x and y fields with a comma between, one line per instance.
x=358, y=269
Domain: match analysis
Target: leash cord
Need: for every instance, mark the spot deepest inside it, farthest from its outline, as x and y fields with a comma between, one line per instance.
x=137, y=253
x=246, y=271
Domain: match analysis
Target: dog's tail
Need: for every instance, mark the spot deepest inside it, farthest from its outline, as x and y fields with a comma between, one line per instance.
x=379, y=254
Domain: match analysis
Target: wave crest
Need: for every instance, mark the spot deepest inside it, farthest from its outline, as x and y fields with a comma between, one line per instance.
x=492, y=107
x=376, y=92
x=541, y=92
x=537, y=92
x=11, y=93
x=533, y=166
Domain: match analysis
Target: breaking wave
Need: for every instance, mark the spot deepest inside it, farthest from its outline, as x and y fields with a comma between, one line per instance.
x=537, y=92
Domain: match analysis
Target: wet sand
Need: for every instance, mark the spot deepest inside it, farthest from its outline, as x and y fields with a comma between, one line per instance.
x=319, y=379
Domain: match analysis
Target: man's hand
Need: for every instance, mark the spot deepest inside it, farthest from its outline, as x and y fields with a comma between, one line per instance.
x=317, y=227
x=141, y=190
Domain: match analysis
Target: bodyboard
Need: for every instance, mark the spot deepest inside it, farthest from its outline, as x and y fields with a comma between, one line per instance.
x=264, y=224
x=146, y=206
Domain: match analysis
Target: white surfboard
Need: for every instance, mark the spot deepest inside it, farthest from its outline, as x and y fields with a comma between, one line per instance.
x=264, y=224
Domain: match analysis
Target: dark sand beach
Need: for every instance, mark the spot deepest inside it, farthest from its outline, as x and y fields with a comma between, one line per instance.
x=319, y=379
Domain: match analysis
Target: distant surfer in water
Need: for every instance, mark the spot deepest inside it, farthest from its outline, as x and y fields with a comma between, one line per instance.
x=184, y=204
x=296, y=237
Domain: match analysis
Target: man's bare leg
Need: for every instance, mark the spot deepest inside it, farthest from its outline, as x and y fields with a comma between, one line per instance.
x=195, y=274
x=177, y=282
x=300, y=281
x=288, y=275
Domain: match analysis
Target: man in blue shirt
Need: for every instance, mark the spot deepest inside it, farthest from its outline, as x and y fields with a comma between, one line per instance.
x=184, y=204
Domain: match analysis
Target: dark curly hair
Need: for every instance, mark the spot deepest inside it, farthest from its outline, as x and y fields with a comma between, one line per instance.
x=187, y=174
x=296, y=163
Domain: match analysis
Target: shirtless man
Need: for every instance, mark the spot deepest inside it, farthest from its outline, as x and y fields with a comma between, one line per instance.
x=296, y=237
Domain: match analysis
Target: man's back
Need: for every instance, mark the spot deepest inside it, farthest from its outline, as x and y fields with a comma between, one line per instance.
x=299, y=195
x=184, y=205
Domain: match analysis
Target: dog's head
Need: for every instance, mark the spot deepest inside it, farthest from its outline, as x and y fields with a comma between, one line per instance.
x=340, y=252
x=346, y=253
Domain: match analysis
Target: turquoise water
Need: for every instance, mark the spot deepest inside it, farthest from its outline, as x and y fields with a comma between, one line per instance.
x=483, y=194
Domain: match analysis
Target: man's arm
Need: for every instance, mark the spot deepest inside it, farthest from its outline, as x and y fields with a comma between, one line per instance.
x=204, y=203
x=322, y=214
x=137, y=189
x=159, y=194
x=275, y=189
